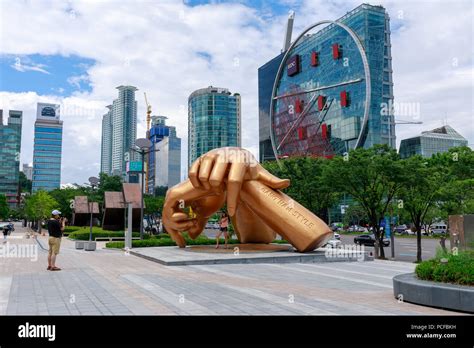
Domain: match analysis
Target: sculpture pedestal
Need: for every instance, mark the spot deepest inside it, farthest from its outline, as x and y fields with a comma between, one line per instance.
x=239, y=248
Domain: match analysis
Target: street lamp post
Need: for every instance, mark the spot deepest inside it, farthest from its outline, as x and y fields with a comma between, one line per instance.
x=93, y=182
x=144, y=145
x=392, y=232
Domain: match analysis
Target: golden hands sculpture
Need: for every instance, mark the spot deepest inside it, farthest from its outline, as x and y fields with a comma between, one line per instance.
x=257, y=207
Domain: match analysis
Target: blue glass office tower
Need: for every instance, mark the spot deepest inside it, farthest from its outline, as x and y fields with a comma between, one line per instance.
x=266, y=78
x=214, y=121
x=10, y=146
x=372, y=26
x=47, y=149
x=164, y=163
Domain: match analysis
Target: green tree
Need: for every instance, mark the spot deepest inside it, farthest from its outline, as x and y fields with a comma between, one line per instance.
x=64, y=197
x=25, y=184
x=107, y=183
x=39, y=206
x=4, y=209
x=153, y=204
x=457, y=192
x=372, y=177
x=308, y=186
x=354, y=214
x=420, y=191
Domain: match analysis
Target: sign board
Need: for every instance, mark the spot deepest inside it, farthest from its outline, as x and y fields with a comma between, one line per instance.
x=293, y=65
x=387, y=226
x=46, y=111
x=134, y=166
x=344, y=208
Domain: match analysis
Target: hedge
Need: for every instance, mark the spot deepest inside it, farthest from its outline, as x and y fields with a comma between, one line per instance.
x=449, y=268
x=165, y=240
x=84, y=235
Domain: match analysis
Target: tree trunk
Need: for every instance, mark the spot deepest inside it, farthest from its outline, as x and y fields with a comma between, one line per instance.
x=418, y=243
x=382, y=251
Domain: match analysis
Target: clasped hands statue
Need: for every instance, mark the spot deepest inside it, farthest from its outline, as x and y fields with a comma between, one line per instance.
x=257, y=208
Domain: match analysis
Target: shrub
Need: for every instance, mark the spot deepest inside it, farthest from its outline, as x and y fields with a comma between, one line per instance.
x=457, y=269
x=84, y=235
x=280, y=241
x=167, y=241
x=70, y=229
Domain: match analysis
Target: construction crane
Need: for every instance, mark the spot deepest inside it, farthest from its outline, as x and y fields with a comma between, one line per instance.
x=407, y=122
x=148, y=113
x=148, y=118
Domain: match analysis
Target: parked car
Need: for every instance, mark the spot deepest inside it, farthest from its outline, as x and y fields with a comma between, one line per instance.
x=333, y=243
x=212, y=225
x=357, y=228
x=439, y=229
x=369, y=239
x=336, y=226
x=401, y=229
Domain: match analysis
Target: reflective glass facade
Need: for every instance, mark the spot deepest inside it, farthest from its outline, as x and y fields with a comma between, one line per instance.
x=164, y=168
x=47, y=150
x=168, y=162
x=432, y=142
x=343, y=123
x=106, y=146
x=10, y=146
x=214, y=121
x=119, y=132
x=266, y=77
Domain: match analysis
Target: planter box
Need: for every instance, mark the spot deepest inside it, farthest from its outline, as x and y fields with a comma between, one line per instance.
x=89, y=246
x=434, y=294
x=80, y=244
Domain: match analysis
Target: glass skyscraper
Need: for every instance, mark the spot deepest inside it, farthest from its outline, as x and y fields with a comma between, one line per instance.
x=119, y=132
x=372, y=26
x=430, y=142
x=10, y=140
x=214, y=120
x=47, y=149
x=164, y=164
x=106, y=146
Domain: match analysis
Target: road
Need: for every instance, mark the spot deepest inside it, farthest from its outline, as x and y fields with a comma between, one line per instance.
x=405, y=247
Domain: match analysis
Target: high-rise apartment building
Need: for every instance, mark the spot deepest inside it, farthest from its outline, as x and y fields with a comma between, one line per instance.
x=329, y=57
x=106, y=146
x=28, y=171
x=214, y=120
x=164, y=163
x=119, y=132
x=47, y=149
x=10, y=147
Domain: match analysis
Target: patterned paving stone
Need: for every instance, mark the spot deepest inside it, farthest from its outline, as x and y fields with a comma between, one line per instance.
x=107, y=282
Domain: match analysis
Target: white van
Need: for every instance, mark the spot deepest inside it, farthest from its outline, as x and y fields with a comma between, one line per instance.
x=439, y=228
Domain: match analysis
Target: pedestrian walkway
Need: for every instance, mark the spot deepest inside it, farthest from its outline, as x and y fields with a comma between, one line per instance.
x=110, y=282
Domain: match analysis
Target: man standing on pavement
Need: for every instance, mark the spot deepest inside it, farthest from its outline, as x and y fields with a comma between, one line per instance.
x=55, y=230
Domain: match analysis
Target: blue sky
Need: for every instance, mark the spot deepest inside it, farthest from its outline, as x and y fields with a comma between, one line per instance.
x=44, y=74
x=277, y=7
x=76, y=53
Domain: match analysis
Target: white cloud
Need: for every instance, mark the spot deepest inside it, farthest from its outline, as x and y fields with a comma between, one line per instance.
x=22, y=67
x=154, y=46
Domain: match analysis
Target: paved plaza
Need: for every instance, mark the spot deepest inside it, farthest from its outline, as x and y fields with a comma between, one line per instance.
x=110, y=282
